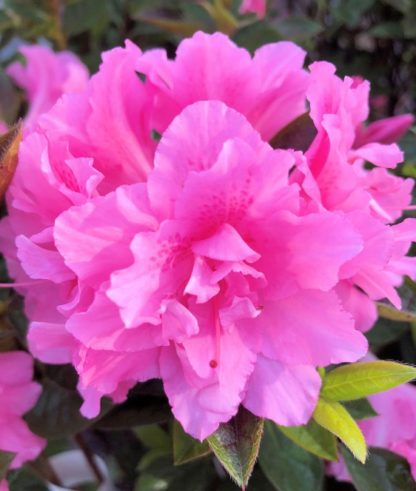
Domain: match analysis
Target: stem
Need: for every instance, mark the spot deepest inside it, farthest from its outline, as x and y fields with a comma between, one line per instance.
x=43, y=469
x=80, y=441
x=55, y=9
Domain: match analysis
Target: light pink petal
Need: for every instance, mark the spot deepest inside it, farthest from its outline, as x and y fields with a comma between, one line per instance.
x=15, y=437
x=46, y=76
x=178, y=323
x=286, y=394
x=219, y=71
x=362, y=309
x=161, y=261
x=225, y=245
x=112, y=373
x=281, y=87
x=201, y=404
x=50, y=342
x=41, y=263
x=119, y=125
x=319, y=245
x=381, y=155
x=100, y=327
x=309, y=327
x=201, y=282
x=16, y=368
x=211, y=124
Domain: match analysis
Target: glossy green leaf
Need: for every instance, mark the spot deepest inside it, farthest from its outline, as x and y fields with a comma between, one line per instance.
x=383, y=471
x=287, y=466
x=313, y=438
x=136, y=411
x=336, y=419
x=358, y=380
x=236, y=445
x=5, y=460
x=56, y=413
x=360, y=409
x=186, y=448
x=388, y=312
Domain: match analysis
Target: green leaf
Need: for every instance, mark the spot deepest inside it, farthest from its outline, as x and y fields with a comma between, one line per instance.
x=388, y=312
x=153, y=437
x=400, y=5
x=256, y=35
x=336, y=419
x=358, y=380
x=299, y=134
x=5, y=460
x=236, y=445
x=24, y=480
x=298, y=28
x=83, y=15
x=350, y=12
x=156, y=440
x=314, y=439
x=56, y=413
x=136, y=411
x=186, y=448
x=385, y=332
x=360, y=409
x=287, y=466
x=383, y=471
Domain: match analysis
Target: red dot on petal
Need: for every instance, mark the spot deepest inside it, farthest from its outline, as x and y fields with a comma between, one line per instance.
x=213, y=364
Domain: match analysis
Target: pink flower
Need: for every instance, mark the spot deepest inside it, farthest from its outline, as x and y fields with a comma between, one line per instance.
x=46, y=76
x=257, y=7
x=208, y=259
x=3, y=485
x=394, y=428
x=18, y=395
x=335, y=178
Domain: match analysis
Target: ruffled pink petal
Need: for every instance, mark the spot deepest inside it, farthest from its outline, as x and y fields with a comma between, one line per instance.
x=309, y=328
x=286, y=394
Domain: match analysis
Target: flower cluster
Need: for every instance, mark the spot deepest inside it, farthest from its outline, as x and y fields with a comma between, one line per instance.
x=226, y=267
x=45, y=77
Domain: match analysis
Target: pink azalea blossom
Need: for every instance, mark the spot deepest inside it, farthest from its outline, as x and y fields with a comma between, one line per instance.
x=393, y=429
x=257, y=7
x=3, y=485
x=18, y=396
x=46, y=76
x=336, y=179
x=226, y=268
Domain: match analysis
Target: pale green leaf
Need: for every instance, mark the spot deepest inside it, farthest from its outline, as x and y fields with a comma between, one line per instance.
x=314, y=439
x=336, y=419
x=358, y=380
